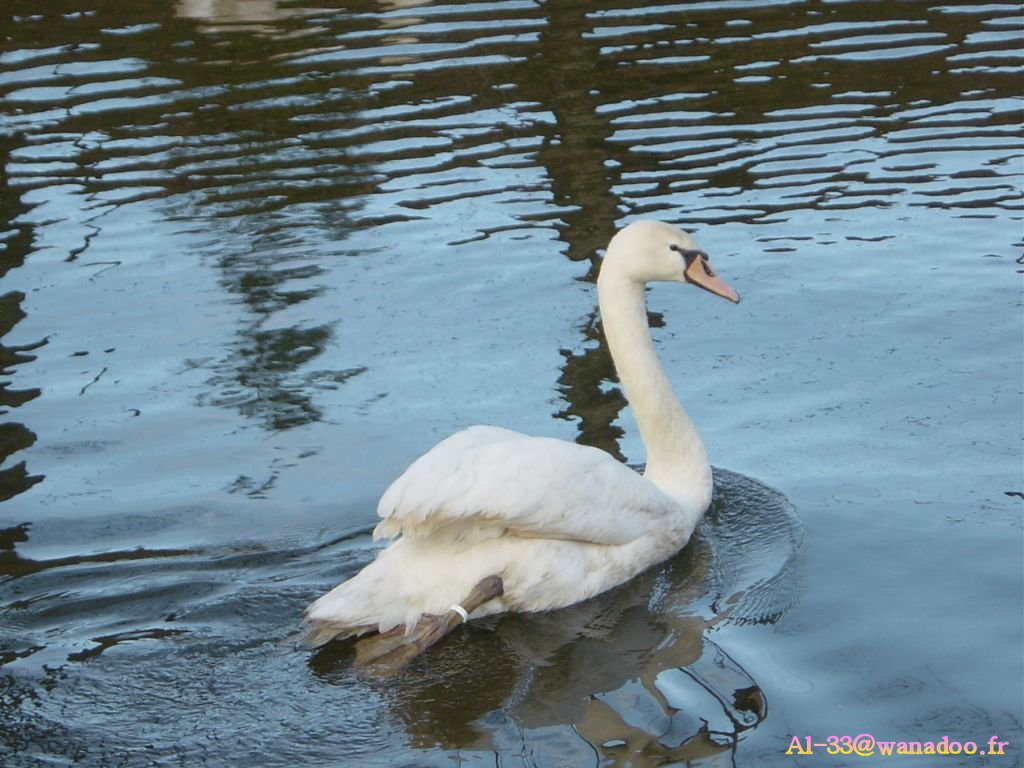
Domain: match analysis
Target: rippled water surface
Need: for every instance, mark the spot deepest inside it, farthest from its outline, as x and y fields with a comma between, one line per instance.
x=255, y=256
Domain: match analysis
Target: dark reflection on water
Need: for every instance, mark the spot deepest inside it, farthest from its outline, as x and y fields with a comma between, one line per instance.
x=257, y=254
x=17, y=244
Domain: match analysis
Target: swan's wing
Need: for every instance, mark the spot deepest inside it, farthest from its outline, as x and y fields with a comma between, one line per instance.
x=487, y=478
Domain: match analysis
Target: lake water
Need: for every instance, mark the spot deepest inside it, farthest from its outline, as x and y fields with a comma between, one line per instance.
x=256, y=256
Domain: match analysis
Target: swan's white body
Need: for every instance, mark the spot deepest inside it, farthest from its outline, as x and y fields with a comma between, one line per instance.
x=557, y=521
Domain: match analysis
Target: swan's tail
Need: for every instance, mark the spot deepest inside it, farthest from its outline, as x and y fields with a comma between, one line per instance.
x=317, y=632
x=405, y=581
x=349, y=610
x=373, y=600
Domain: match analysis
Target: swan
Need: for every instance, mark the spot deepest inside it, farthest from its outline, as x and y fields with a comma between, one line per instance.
x=491, y=520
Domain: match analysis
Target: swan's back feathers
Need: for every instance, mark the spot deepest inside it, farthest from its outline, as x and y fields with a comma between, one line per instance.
x=486, y=481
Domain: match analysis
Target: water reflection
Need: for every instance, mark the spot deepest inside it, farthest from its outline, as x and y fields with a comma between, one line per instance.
x=590, y=403
x=17, y=244
x=263, y=377
x=13, y=565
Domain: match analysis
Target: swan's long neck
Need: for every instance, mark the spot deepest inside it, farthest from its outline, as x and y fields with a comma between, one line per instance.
x=676, y=460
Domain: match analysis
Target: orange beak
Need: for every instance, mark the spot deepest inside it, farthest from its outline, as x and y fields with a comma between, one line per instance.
x=700, y=273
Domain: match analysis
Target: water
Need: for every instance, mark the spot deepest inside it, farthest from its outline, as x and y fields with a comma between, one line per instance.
x=257, y=255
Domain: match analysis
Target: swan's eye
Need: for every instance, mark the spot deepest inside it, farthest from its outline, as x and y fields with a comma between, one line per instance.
x=689, y=255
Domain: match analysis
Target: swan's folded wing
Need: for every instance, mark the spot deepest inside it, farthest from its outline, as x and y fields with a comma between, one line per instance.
x=487, y=479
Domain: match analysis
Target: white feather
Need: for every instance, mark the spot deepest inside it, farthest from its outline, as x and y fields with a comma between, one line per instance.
x=493, y=478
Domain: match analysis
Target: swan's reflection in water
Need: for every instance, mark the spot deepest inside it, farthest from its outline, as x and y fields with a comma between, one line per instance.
x=632, y=677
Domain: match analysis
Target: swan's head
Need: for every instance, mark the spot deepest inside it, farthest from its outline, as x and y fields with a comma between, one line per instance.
x=646, y=251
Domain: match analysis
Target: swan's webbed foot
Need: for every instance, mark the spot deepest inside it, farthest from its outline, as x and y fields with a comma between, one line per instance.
x=388, y=653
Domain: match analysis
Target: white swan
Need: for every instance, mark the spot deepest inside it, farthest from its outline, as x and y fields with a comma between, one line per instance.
x=491, y=520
